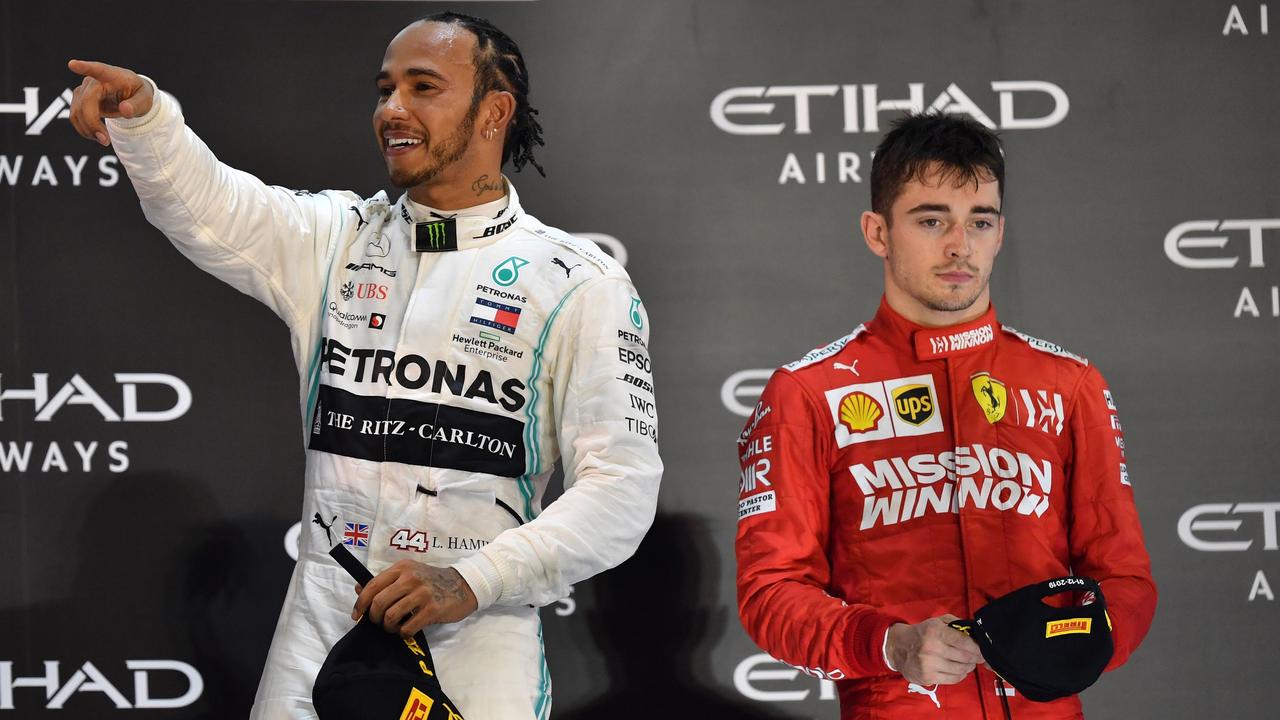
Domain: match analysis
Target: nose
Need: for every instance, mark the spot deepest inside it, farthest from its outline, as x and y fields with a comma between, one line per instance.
x=394, y=106
x=958, y=243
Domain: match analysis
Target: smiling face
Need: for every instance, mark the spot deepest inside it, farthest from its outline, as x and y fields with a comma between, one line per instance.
x=939, y=246
x=426, y=115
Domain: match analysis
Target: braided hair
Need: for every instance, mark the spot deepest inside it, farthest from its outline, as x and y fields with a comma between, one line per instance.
x=500, y=66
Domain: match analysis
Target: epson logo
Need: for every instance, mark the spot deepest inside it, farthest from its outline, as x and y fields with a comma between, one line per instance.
x=1216, y=527
x=89, y=679
x=36, y=117
x=738, y=111
x=1180, y=238
x=77, y=391
x=764, y=679
x=742, y=389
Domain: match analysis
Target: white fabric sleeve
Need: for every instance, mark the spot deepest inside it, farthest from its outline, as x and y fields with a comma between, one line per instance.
x=268, y=242
x=607, y=432
x=884, y=650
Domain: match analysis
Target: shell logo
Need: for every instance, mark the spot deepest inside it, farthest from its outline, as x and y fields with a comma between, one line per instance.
x=859, y=412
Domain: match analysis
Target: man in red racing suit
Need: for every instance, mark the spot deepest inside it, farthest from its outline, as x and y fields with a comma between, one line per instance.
x=912, y=470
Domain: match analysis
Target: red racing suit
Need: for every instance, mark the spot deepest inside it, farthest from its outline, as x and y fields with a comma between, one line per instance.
x=901, y=473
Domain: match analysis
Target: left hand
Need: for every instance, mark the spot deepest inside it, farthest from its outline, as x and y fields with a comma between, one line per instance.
x=409, y=596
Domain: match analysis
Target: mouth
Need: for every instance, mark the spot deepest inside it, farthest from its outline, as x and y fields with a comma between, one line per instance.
x=956, y=277
x=398, y=143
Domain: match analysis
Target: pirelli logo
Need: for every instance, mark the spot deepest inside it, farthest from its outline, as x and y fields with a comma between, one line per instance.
x=1073, y=626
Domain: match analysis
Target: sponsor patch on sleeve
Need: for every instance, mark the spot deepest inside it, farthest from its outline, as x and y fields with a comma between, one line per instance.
x=757, y=504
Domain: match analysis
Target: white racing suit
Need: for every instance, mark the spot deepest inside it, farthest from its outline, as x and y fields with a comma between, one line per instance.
x=445, y=363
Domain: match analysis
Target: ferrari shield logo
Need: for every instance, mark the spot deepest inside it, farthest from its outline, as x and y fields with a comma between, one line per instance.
x=991, y=396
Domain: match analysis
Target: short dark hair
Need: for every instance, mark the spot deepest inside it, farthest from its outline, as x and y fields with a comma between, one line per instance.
x=500, y=66
x=964, y=150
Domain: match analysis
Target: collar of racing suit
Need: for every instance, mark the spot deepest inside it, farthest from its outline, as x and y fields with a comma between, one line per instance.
x=935, y=343
x=477, y=226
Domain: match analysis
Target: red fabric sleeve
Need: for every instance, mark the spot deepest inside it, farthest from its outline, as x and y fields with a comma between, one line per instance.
x=783, y=523
x=1105, y=533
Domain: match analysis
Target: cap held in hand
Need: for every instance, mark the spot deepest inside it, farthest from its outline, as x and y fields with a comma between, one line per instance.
x=373, y=674
x=1045, y=652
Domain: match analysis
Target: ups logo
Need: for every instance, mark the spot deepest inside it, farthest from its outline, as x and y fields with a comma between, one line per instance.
x=913, y=403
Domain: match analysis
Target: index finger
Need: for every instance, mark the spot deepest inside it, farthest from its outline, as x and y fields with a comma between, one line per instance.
x=370, y=591
x=101, y=72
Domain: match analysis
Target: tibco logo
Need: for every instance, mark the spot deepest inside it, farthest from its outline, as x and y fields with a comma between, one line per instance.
x=742, y=389
x=777, y=683
x=36, y=118
x=89, y=679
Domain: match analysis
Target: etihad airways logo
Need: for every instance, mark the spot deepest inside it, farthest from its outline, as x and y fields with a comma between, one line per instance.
x=1190, y=245
x=740, y=110
x=900, y=489
x=36, y=117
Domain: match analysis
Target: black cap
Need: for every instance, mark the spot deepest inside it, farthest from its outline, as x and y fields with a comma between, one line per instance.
x=371, y=674
x=1046, y=652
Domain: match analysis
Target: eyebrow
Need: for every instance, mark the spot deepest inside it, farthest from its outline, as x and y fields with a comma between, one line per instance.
x=411, y=72
x=934, y=207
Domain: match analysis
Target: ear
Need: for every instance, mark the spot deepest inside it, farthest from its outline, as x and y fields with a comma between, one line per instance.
x=497, y=110
x=875, y=231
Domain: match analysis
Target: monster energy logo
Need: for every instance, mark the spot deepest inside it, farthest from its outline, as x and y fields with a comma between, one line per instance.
x=435, y=236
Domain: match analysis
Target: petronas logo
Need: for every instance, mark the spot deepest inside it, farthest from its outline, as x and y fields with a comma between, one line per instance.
x=508, y=271
x=435, y=236
x=636, y=318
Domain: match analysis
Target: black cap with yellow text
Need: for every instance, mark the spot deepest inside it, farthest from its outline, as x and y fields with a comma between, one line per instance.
x=371, y=674
x=1046, y=651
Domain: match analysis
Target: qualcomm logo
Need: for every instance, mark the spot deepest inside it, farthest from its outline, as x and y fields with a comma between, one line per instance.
x=89, y=679
x=742, y=389
x=37, y=119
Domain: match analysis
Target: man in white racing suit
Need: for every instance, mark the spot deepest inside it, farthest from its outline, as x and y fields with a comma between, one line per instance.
x=450, y=348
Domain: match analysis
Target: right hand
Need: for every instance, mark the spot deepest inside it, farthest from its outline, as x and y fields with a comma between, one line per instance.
x=107, y=91
x=931, y=652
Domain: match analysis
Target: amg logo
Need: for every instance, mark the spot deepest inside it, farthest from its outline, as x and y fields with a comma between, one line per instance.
x=371, y=266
